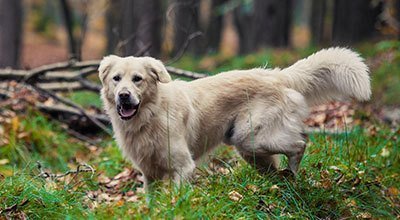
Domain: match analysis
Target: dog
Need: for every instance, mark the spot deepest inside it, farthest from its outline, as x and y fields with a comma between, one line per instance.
x=164, y=126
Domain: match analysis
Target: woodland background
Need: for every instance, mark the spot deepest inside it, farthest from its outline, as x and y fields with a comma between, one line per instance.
x=57, y=155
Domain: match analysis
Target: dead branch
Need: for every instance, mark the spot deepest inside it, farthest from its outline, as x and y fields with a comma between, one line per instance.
x=85, y=72
x=14, y=207
x=70, y=112
x=81, y=168
x=185, y=73
x=82, y=84
x=54, y=72
x=73, y=105
x=143, y=50
x=35, y=73
x=182, y=50
x=81, y=137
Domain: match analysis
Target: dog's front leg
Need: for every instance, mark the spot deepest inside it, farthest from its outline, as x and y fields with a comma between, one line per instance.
x=182, y=162
x=184, y=173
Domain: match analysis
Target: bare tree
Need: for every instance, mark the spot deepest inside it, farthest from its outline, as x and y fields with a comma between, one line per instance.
x=186, y=24
x=214, y=27
x=398, y=18
x=318, y=10
x=263, y=23
x=354, y=20
x=134, y=25
x=10, y=32
x=68, y=23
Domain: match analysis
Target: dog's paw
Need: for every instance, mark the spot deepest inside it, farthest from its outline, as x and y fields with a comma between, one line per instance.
x=287, y=174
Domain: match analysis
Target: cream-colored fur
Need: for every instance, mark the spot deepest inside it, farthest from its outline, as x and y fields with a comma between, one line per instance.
x=259, y=111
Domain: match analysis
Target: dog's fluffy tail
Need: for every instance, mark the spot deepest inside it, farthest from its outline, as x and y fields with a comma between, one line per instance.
x=329, y=74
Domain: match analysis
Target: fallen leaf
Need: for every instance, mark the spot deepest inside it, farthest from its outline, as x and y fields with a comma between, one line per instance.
x=15, y=124
x=113, y=183
x=335, y=168
x=252, y=187
x=364, y=215
x=356, y=181
x=124, y=173
x=235, y=196
x=274, y=188
x=103, y=197
x=140, y=190
x=351, y=203
x=324, y=174
x=385, y=152
x=4, y=161
x=340, y=179
x=223, y=170
x=132, y=199
x=326, y=183
x=120, y=203
x=393, y=191
x=130, y=193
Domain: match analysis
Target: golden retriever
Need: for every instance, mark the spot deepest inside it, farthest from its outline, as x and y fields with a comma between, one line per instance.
x=164, y=126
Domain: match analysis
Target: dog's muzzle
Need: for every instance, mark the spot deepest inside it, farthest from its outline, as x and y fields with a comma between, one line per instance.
x=127, y=107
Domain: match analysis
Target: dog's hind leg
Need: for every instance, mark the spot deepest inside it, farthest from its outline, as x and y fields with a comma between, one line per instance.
x=263, y=163
x=295, y=155
x=267, y=146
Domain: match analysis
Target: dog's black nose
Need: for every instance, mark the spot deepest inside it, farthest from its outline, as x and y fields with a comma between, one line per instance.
x=124, y=95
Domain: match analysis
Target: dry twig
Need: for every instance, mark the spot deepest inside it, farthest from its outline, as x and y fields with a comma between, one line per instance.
x=81, y=168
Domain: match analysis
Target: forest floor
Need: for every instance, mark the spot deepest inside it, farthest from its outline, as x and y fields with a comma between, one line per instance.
x=350, y=169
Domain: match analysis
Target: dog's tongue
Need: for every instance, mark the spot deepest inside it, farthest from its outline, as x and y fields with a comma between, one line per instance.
x=127, y=112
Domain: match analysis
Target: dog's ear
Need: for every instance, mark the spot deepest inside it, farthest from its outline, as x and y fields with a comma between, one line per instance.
x=105, y=66
x=158, y=70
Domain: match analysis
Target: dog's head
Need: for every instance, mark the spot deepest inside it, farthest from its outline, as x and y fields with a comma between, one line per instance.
x=130, y=81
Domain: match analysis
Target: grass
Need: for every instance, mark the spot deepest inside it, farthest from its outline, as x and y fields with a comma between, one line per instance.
x=85, y=98
x=350, y=175
x=342, y=175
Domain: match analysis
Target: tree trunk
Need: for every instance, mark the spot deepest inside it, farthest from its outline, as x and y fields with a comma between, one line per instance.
x=133, y=26
x=186, y=23
x=68, y=23
x=318, y=10
x=113, y=27
x=10, y=32
x=214, y=28
x=354, y=20
x=398, y=18
x=263, y=23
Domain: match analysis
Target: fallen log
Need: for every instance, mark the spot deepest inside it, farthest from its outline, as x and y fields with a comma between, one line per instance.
x=72, y=71
x=74, y=118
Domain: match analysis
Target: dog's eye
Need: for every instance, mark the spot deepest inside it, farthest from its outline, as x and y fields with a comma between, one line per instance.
x=137, y=79
x=116, y=78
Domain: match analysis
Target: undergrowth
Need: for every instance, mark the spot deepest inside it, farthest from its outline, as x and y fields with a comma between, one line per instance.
x=342, y=175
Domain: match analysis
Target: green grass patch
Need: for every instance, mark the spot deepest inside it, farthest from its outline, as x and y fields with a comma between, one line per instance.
x=33, y=137
x=31, y=196
x=86, y=98
x=342, y=175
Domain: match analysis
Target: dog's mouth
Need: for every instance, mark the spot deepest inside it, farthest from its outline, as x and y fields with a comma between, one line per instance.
x=127, y=110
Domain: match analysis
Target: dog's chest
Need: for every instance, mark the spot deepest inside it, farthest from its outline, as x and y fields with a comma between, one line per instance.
x=141, y=146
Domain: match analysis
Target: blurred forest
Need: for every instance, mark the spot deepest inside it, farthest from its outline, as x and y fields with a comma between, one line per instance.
x=58, y=159
x=37, y=32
